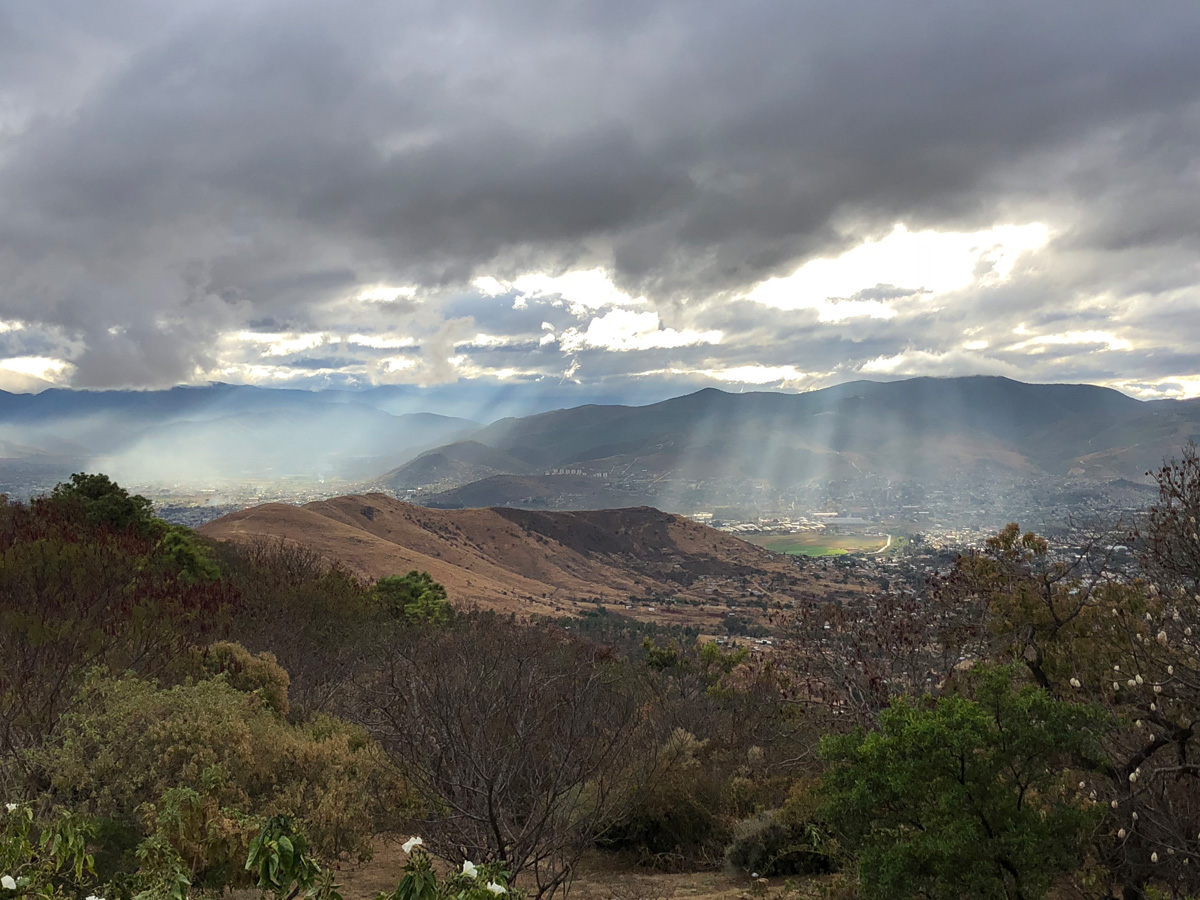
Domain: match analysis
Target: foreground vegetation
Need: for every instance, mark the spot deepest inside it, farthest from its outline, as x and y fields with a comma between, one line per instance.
x=179, y=718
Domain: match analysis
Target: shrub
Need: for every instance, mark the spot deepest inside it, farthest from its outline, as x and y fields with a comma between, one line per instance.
x=964, y=797
x=259, y=674
x=678, y=818
x=775, y=843
x=76, y=595
x=204, y=761
x=312, y=615
x=42, y=860
x=415, y=597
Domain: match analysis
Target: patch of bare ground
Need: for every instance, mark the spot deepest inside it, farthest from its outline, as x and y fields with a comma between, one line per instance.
x=601, y=876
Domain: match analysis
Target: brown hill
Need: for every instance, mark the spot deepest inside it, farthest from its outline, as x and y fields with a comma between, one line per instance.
x=649, y=564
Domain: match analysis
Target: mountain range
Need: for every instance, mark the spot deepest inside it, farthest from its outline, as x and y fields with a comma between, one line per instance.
x=921, y=430
x=925, y=430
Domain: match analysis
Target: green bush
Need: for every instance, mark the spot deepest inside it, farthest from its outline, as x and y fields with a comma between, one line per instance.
x=42, y=860
x=965, y=797
x=415, y=597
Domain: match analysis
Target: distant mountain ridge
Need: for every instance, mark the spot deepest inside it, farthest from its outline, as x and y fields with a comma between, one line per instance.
x=920, y=429
x=206, y=436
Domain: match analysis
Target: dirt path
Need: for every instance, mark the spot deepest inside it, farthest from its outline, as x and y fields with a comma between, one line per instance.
x=601, y=877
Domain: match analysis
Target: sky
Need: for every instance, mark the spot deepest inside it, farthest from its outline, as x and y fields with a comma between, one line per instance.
x=601, y=196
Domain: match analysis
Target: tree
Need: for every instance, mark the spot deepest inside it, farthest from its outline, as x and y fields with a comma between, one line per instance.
x=104, y=502
x=415, y=597
x=521, y=742
x=1085, y=630
x=1170, y=535
x=963, y=797
x=313, y=615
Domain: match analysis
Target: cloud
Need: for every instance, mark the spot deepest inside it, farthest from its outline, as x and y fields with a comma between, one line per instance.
x=623, y=329
x=378, y=184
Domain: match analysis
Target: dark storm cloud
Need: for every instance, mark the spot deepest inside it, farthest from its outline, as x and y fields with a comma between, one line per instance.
x=171, y=173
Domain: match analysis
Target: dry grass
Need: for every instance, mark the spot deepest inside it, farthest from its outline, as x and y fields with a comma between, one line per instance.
x=486, y=558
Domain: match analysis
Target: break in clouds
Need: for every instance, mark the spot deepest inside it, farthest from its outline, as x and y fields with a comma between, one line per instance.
x=673, y=193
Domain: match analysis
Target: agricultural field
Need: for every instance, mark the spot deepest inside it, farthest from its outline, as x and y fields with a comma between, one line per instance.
x=814, y=543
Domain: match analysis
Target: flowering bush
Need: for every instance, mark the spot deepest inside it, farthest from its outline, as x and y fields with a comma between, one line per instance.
x=485, y=881
x=44, y=863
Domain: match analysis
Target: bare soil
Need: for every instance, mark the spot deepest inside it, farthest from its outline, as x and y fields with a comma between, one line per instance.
x=600, y=877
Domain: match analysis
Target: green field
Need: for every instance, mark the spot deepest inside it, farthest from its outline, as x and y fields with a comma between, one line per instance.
x=816, y=544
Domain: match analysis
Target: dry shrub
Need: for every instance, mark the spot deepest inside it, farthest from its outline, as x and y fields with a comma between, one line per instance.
x=129, y=743
x=260, y=674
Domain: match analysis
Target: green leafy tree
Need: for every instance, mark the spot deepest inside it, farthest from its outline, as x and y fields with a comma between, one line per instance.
x=414, y=597
x=964, y=797
x=104, y=502
x=195, y=765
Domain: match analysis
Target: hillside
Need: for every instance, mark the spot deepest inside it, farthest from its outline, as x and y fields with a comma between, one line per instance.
x=537, y=492
x=925, y=430
x=455, y=464
x=540, y=562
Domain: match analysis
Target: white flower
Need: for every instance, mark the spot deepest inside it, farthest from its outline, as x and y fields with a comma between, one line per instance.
x=1154, y=857
x=1134, y=817
x=1113, y=804
x=8, y=883
x=1132, y=777
x=1121, y=833
x=1116, y=687
x=469, y=869
x=753, y=874
x=1158, y=689
x=408, y=845
x=1170, y=670
x=1138, y=679
x=1116, y=668
x=1188, y=631
x=92, y=897
x=496, y=888
x=1131, y=683
x=1075, y=682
